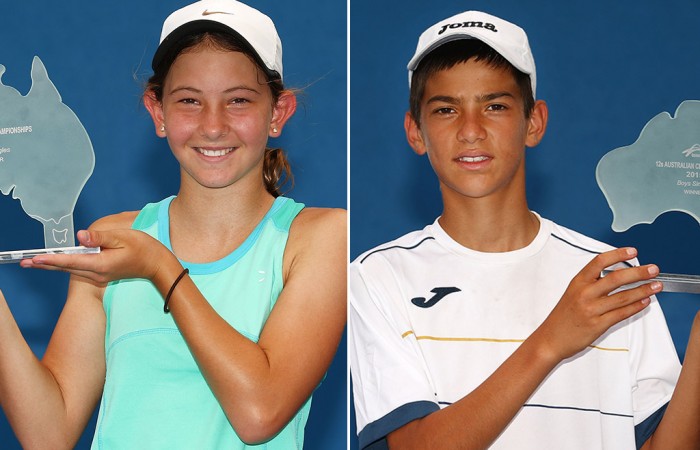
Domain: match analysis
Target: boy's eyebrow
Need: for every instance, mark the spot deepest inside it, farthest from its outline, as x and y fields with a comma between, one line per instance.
x=495, y=95
x=480, y=98
x=443, y=99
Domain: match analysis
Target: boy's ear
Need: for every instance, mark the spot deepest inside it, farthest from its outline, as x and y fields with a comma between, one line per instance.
x=414, y=135
x=537, y=124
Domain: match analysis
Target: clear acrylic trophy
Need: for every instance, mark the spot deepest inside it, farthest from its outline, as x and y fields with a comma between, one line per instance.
x=46, y=158
x=658, y=173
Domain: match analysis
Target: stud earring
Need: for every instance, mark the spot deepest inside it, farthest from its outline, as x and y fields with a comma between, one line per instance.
x=162, y=128
x=274, y=130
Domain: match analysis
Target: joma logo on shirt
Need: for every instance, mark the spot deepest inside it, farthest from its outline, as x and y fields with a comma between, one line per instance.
x=473, y=24
x=440, y=293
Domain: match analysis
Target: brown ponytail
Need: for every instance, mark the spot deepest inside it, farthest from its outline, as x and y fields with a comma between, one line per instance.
x=276, y=172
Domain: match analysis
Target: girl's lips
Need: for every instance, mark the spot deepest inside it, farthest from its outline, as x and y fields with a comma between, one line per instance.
x=215, y=152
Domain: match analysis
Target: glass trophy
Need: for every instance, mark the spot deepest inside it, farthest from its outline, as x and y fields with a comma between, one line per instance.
x=46, y=158
x=658, y=173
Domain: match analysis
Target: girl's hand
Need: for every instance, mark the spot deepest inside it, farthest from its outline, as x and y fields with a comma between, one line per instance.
x=125, y=253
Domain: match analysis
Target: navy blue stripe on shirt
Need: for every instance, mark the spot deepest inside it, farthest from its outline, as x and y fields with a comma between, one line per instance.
x=574, y=408
x=373, y=435
x=395, y=246
x=585, y=249
x=575, y=246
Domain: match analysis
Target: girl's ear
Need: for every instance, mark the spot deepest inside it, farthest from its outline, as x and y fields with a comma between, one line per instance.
x=414, y=135
x=537, y=124
x=155, y=109
x=282, y=111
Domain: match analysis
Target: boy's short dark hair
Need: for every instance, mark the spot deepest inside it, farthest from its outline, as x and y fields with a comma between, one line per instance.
x=452, y=53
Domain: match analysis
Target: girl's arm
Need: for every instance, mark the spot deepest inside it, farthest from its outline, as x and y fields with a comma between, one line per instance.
x=259, y=385
x=49, y=402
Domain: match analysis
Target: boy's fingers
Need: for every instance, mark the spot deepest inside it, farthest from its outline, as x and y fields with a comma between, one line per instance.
x=593, y=269
x=617, y=315
x=627, y=297
x=618, y=278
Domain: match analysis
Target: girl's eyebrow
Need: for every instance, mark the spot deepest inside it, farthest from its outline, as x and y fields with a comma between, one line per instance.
x=243, y=88
x=186, y=89
x=227, y=91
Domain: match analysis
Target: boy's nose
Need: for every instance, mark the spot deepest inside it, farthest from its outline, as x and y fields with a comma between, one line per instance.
x=471, y=129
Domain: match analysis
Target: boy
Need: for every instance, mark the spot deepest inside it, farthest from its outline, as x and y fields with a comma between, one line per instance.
x=492, y=326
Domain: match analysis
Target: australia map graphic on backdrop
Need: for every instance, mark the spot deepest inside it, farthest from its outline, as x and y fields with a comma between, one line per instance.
x=46, y=156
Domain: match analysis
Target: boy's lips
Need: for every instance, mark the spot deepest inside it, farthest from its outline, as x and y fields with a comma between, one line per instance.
x=473, y=159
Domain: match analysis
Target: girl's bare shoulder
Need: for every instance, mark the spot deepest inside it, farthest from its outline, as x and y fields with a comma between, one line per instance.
x=312, y=222
x=115, y=221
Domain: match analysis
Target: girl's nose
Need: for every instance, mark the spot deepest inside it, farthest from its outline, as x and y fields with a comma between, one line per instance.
x=213, y=123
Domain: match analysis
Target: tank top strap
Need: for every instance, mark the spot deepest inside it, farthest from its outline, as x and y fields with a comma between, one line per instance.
x=148, y=216
x=283, y=212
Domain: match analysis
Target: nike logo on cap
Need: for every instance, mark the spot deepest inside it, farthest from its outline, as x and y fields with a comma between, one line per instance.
x=209, y=13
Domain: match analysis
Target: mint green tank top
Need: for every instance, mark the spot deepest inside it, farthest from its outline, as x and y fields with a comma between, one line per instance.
x=154, y=396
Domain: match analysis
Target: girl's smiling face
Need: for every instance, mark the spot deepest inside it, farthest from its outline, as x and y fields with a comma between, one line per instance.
x=218, y=112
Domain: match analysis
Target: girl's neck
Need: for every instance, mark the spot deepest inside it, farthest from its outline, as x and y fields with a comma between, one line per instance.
x=208, y=224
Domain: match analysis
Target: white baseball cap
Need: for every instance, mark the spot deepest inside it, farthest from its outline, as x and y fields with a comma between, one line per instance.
x=508, y=39
x=230, y=16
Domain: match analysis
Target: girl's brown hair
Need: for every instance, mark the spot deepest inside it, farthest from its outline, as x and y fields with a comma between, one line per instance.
x=276, y=169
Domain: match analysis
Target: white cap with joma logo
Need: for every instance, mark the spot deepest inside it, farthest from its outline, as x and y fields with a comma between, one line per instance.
x=508, y=39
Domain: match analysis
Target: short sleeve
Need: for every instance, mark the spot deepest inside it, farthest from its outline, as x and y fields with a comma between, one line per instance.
x=654, y=362
x=390, y=383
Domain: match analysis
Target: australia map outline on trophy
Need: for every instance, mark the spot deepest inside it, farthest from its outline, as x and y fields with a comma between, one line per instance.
x=658, y=173
x=46, y=157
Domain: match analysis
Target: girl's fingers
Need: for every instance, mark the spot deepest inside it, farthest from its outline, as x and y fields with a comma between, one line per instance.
x=84, y=273
x=93, y=238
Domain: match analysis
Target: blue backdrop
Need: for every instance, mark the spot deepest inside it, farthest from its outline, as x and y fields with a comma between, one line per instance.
x=98, y=55
x=604, y=68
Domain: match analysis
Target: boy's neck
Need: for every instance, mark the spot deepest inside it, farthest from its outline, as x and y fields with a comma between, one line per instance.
x=490, y=226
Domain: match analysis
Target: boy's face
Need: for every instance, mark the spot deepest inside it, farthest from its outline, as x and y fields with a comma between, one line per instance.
x=474, y=130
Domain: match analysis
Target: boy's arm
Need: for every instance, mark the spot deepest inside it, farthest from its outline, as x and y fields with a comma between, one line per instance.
x=679, y=427
x=585, y=312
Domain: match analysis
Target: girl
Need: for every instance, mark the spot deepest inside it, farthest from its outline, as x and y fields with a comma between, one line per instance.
x=208, y=318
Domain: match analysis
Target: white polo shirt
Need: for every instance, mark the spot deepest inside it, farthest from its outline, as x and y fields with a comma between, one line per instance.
x=430, y=320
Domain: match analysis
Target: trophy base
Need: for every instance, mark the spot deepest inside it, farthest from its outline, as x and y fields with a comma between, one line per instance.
x=13, y=256
x=673, y=282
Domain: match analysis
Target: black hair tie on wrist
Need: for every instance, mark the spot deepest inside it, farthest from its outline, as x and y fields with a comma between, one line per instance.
x=166, y=310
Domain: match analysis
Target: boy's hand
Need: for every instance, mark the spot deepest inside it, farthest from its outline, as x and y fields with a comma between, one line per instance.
x=587, y=310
